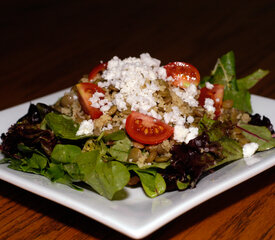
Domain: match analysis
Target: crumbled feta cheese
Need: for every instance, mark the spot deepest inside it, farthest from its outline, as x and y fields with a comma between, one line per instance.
x=183, y=134
x=154, y=114
x=174, y=117
x=123, y=123
x=86, y=128
x=190, y=119
x=249, y=149
x=217, y=100
x=193, y=132
x=209, y=105
x=209, y=85
x=108, y=127
x=149, y=61
x=162, y=73
x=188, y=94
x=98, y=101
x=135, y=80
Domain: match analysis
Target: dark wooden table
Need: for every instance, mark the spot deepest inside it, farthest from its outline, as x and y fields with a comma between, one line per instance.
x=48, y=45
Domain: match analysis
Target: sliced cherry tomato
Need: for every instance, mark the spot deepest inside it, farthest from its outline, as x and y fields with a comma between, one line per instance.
x=146, y=129
x=216, y=94
x=85, y=92
x=183, y=74
x=99, y=68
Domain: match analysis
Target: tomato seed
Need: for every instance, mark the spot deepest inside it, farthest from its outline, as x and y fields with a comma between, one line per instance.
x=138, y=121
x=146, y=131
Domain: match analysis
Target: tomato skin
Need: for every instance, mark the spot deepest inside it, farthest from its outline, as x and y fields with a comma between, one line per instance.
x=183, y=74
x=216, y=94
x=96, y=70
x=146, y=129
x=85, y=92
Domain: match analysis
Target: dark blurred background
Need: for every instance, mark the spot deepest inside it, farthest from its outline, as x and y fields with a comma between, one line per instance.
x=48, y=45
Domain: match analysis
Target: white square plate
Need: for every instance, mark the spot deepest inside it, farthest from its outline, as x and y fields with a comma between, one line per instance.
x=137, y=215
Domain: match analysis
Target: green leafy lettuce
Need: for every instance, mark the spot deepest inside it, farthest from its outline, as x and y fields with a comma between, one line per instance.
x=217, y=131
x=152, y=182
x=63, y=126
x=224, y=73
x=107, y=178
x=258, y=134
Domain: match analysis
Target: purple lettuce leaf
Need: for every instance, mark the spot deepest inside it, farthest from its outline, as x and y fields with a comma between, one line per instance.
x=257, y=120
x=189, y=161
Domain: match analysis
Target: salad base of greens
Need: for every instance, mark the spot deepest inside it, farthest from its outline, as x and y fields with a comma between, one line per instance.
x=45, y=142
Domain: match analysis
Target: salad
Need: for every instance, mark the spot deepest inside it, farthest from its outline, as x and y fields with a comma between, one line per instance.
x=134, y=123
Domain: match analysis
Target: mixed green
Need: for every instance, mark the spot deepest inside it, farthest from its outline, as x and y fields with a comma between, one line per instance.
x=45, y=142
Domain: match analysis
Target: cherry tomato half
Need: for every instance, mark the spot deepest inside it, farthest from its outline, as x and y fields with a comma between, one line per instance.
x=85, y=92
x=216, y=94
x=146, y=129
x=183, y=74
x=99, y=68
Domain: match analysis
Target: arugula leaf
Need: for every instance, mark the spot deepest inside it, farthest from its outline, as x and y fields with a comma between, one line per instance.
x=224, y=72
x=151, y=181
x=183, y=185
x=252, y=79
x=258, y=134
x=241, y=99
x=37, y=161
x=31, y=160
x=93, y=144
x=120, y=149
x=161, y=165
x=55, y=171
x=206, y=123
x=237, y=90
x=107, y=178
x=73, y=170
x=5, y=160
x=63, y=126
x=65, y=153
x=213, y=128
x=118, y=135
x=231, y=150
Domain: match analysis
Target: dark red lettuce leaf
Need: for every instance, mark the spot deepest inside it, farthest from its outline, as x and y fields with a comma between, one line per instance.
x=191, y=160
x=36, y=113
x=30, y=135
x=26, y=131
x=257, y=120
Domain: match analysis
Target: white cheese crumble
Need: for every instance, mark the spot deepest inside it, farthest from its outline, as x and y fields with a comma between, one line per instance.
x=188, y=94
x=123, y=124
x=135, y=80
x=190, y=119
x=183, y=134
x=108, y=127
x=98, y=101
x=86, y=128
x=154, y=114
x=249, y=149
x=174, y=117
x=209, y=105
x=208, y=85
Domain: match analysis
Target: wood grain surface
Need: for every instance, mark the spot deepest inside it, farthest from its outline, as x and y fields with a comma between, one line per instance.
x=48, y=45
